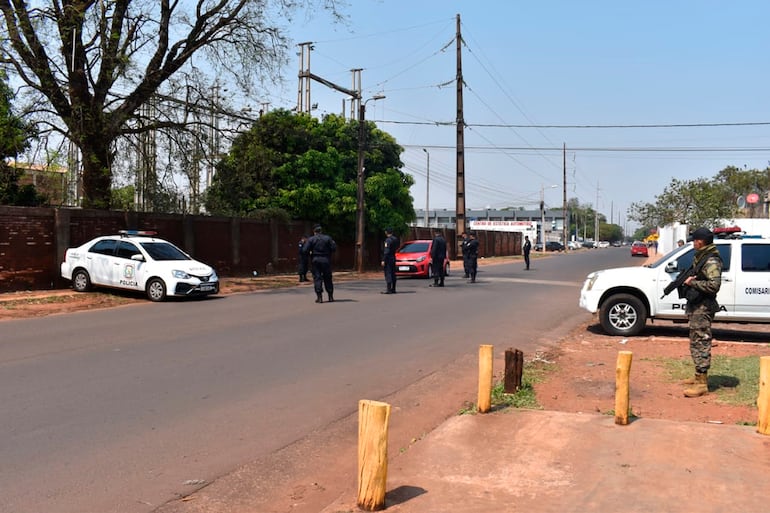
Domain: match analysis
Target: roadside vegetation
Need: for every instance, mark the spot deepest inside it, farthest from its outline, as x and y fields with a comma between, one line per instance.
x=735, y=380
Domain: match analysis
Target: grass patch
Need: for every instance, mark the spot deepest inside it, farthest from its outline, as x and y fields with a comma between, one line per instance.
x=735, y=380
x=534, y=372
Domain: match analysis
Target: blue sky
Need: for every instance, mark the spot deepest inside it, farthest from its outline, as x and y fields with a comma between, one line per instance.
x=588, y=63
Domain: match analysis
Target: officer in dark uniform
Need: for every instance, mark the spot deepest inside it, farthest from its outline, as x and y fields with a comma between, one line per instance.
x=473, y=256
x=320, y=247
x=438, y=255
x=302, y=259
x=389, y=248
x=464, y=251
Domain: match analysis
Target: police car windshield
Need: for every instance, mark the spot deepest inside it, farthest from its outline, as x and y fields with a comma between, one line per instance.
x=164, y=251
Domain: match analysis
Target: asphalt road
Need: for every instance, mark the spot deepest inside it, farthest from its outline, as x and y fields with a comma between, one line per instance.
x=122, y=410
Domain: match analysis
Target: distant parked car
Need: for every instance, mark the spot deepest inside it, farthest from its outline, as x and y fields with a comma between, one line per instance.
x=589, y=244
x=573, y=244
x=554, y=246
x=603, y=244
x=413, y=259
x=615, y=244
x=639, y=248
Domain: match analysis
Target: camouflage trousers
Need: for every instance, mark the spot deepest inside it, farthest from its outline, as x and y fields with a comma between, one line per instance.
x=700, y=337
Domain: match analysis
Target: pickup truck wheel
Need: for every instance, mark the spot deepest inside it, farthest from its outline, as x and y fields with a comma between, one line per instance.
x=623, y=314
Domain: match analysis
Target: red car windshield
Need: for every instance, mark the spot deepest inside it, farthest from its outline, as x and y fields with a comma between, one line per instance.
x=415, y=247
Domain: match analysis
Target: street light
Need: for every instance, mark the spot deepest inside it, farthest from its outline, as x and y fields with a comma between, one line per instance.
x=427, y=188
x=542, y=213
x=360, y=189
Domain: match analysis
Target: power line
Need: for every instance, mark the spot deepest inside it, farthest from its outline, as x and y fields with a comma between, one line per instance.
x=499, y=125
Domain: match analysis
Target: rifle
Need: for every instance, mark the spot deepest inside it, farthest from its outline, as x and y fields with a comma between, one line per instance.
x=679, y=281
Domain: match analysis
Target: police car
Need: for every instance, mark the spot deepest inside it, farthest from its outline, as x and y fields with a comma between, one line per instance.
x=625, y=298
x=137, y=260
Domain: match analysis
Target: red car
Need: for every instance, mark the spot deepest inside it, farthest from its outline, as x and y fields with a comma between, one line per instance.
x=639, y=248
x=413, y=259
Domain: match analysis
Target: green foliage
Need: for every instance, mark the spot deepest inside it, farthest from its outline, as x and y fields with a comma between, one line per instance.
x=701, y=202
x=534, y=372
x=307, y=169
x=123, y=198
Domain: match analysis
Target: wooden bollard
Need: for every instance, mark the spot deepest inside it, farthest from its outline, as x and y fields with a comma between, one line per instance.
x=373, y=419
x=763, y=399
x=514, y=368
x=622, y=390
x=485, y=378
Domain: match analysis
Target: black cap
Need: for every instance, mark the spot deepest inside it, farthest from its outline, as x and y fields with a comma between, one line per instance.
x=388, y=230
x=317, y=228
x=703, y=234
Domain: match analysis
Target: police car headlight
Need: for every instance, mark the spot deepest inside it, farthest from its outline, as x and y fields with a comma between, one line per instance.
x=422, y=258
x=180, y=275
x=213, y=276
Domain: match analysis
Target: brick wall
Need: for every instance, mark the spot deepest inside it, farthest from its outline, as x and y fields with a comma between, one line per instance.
x=33, y=242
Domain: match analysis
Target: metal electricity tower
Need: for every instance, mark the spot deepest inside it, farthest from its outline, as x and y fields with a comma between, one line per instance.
x=305, y=76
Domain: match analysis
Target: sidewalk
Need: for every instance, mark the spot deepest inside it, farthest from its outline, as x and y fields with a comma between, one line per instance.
x=545, y=461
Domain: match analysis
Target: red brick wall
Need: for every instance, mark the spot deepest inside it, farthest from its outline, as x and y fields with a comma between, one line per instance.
x=33, y=242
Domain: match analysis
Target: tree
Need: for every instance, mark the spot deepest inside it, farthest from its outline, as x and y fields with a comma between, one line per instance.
x=307, y=168
x=92, y=64
x=700, y=202
x=15, y=135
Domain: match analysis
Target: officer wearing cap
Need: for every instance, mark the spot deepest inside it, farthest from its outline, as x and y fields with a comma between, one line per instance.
x=438, y=256
x=701, y=292
x=389, y=248
x=320, y=247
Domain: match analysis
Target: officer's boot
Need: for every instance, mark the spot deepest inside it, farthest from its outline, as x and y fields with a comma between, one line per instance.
x=393, y=288
x=689, y=381
x=473, y=278
x=319, y=297
x=700, y=387
x=331, y=296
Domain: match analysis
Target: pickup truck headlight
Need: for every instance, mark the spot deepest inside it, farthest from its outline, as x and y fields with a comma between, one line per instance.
x=591, y=280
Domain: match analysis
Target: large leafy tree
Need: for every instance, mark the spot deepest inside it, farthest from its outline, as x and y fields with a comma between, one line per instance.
x=307, y=168
x=703, y=201
x=92, y=63
x=15, y=136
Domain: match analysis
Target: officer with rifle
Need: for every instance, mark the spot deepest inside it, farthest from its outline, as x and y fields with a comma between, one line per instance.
x=699, y=284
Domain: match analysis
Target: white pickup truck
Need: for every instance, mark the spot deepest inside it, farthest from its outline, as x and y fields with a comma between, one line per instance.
x=626, y=297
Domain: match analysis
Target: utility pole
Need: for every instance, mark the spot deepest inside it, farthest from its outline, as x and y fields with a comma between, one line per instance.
x=460, y=201
x=427, y=188
x=565, y=217
x=596, y=215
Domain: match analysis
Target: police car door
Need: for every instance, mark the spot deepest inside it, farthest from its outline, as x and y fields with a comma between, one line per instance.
x=752, y=282
x=100, y=261
x=127, y=270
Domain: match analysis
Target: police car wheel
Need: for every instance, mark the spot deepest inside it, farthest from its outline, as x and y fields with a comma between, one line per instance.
x=156, y=290
x=623, y=314
x=81, y=281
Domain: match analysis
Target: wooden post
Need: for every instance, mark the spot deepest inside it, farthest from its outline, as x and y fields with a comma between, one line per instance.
x=622, y=390
x=514, y=368
x=373, y=419
x=763, y=399
x=485, y=378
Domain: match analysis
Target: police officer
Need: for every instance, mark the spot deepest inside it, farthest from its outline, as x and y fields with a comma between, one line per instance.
x=389, y=248
x=701, y=292
x=526, y=248
x=473, y=256
x=320, y=247
x=302, y=259
x=438, y=255
x=464, y=251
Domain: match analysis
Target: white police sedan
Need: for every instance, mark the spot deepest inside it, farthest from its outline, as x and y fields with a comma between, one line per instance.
x=136, y=260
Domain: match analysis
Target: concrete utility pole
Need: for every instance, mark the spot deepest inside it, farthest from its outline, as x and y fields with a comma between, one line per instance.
x=565, y=217
x=360, y=213
x=460, y=201
x=427, y=188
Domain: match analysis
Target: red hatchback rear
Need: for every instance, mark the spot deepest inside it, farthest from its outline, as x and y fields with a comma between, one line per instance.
x=639, y=248
x=413, y=259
